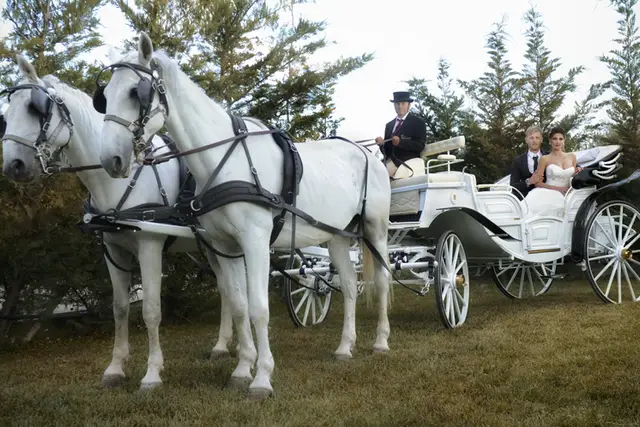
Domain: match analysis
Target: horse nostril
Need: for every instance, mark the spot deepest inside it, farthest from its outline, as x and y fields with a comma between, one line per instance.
x=117, y=163
x=18, y=167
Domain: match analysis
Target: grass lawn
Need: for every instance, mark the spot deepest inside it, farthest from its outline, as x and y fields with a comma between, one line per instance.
x=564, y=359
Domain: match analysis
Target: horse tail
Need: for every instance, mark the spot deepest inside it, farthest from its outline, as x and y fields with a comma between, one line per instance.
x=369, y=263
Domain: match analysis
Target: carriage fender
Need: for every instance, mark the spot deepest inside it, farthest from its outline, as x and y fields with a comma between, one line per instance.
x=582, y=216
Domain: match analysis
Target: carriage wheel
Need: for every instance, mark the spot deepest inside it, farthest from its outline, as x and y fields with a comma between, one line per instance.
x=611, y=243
x=521, y=279
x=309, y=304
x=451, y=280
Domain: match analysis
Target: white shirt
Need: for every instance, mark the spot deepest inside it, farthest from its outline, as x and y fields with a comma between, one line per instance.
x=530, y=157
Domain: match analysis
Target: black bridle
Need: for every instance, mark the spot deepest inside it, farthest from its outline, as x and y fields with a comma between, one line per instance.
x=42, y=101
x=145, y=92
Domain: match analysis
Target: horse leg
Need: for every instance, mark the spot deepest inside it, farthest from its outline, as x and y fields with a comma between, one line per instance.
x=256, y=251
x=339, y=253
x=120, y=282
x=221, y=348
x=233, y=291
x=372, y=269
x=150, y=258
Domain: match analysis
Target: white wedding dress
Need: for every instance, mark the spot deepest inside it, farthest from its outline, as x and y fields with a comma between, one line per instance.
x=544, y=201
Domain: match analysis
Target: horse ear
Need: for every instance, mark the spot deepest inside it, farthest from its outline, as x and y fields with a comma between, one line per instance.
x=145, y=47
x=112, y=54
x=27, y=68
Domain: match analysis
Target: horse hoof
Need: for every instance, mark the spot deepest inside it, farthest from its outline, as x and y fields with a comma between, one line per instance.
x=259, y=393
x=219, y=354
x=150, y=386
x=239, y=383
x=343, y=357
x=381, y=350
x=111, y=380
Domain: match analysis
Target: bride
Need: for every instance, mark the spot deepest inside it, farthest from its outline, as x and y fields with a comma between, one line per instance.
x=560, y=167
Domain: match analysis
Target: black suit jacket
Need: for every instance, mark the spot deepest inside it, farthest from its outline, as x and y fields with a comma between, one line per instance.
x=520, y=173
x=413, y=136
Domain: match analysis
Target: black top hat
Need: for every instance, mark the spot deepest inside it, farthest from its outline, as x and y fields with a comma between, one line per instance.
x=401, y=97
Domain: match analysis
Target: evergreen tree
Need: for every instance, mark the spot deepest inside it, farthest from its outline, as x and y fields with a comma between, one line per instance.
x=169, y=23
x=251, y=62
x=491, y=127
x=543, y=92
x=441, y=113
x=624, y=65
x=53, y=35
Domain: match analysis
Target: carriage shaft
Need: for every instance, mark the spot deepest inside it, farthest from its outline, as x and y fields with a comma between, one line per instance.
x=326, y=269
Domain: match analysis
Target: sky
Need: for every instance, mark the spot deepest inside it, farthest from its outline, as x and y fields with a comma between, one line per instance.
x=407, y=38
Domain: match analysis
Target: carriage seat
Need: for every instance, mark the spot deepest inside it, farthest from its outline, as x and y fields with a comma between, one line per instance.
x=418, y=165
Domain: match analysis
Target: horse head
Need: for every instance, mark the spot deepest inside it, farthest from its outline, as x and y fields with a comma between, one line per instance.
x=35, y=131
x=134, y=105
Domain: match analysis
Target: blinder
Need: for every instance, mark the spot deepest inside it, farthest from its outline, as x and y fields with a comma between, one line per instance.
x=41, y=101
x=145, y=90
x=3, y=125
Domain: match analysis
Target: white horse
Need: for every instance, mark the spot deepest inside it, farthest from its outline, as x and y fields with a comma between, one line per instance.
x=331, y=191
x=23, y=117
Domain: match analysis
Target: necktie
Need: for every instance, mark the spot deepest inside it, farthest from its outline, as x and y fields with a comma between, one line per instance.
x=535, y=163
x=398, y=124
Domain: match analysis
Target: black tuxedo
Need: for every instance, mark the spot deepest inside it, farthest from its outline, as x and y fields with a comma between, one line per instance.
x=520, y=173
x=413, y=136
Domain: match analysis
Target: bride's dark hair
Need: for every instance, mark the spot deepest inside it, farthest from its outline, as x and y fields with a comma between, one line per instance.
x=557, y=129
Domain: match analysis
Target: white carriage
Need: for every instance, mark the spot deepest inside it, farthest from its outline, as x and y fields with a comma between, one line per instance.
x=443, y=225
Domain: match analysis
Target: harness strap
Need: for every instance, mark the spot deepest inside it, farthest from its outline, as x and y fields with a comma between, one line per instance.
x=111, y=260
x=129, y=188
x=163, y=193
x=166, y=157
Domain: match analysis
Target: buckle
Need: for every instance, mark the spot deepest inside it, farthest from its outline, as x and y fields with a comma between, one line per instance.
x=193, y=208
x=149, y=215
x=132, y=183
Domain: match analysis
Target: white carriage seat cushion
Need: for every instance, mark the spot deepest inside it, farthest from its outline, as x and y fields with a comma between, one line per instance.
x=415, y=168
x=437, y=177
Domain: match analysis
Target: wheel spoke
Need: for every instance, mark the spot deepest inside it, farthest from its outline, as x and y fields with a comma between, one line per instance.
x=513, y=276
x=613, y=273
x=626, y=276
x=601, y=244
x=606, y=267
x=629, y=228
x=303, y=299
x=606, y=234
x=533, y=292
x=595, y=258
x=612, y=224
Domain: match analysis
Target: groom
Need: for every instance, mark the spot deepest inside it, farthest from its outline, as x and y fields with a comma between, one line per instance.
x=526, y=164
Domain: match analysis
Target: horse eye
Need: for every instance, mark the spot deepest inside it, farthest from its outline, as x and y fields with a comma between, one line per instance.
x=133, y=93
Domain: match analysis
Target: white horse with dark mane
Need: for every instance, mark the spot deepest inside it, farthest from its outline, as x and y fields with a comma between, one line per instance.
x=148, y=90
x=74, y=130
